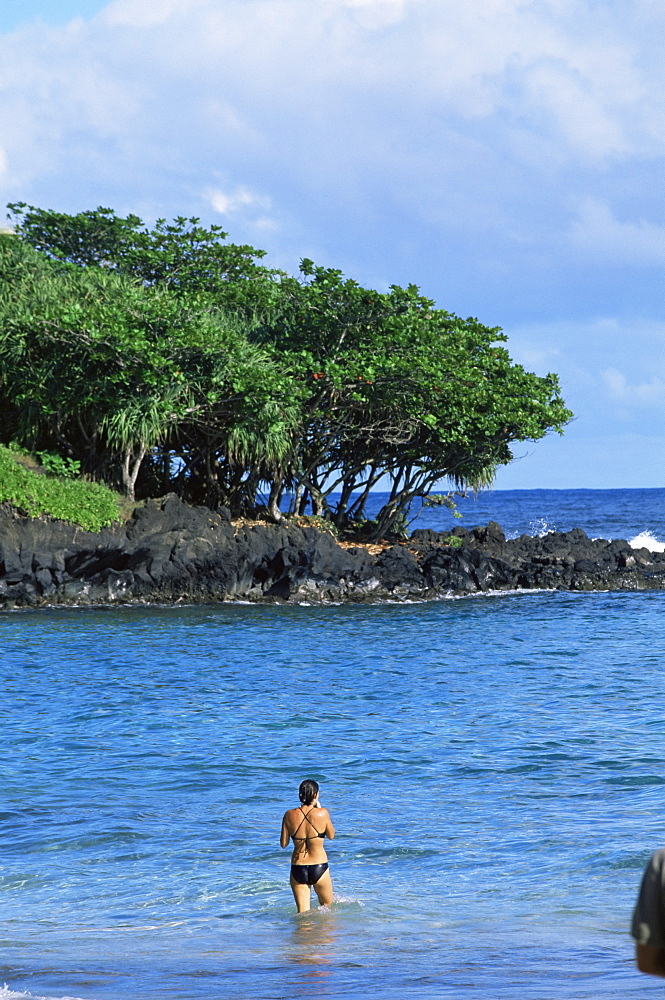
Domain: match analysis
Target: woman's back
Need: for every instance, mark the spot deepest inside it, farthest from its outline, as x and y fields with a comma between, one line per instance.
x=307, y=826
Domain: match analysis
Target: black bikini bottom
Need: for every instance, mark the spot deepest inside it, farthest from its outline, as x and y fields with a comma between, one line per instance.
x=308, y=874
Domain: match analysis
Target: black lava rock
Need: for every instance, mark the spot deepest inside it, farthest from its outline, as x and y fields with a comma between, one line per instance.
x=172, y=552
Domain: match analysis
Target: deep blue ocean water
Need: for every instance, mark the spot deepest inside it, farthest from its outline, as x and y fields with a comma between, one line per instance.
x=601, y=513
x=494, y=766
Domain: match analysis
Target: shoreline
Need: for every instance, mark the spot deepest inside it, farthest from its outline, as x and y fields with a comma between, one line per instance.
x=170, y=553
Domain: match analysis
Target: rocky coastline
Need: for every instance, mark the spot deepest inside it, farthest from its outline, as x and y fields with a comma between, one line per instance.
x=169, y=552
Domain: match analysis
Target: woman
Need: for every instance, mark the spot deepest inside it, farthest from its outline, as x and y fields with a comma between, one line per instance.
x=307, y=825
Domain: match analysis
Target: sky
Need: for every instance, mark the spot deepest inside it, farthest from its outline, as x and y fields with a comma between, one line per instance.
x=506, y=156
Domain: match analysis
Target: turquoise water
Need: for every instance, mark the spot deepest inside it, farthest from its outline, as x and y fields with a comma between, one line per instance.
x=494, y=766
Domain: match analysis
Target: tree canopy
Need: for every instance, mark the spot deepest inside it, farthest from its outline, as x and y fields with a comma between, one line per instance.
x=169, y=359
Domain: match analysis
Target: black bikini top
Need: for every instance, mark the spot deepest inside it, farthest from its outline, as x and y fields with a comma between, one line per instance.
x=316, y=832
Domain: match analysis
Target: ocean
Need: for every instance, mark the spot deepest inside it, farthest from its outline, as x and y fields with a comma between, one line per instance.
x=494, y=766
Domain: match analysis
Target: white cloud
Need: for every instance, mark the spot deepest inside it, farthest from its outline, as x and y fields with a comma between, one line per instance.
x=585, y=118
x=611, y=370
x=264, y=224
x=578, y=78
x=376, y=14
x=631, y=344
x=362, y=66
x=230, y=202
x=225, y=119
x=598, y=232
x=540, y=358
x=651, y=393
x=462, y=130
x=144, y=13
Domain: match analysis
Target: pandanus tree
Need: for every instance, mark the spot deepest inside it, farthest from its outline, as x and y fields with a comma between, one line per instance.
x=85, y=362
x=219, y=406
x=239, y=426
x=105, y=369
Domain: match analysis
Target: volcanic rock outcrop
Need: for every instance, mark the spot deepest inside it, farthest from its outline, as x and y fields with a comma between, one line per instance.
x=171, y=552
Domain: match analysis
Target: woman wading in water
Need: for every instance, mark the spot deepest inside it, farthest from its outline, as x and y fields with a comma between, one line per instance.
x=307, y=825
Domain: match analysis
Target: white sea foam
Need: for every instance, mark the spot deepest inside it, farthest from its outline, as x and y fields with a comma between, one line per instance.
x=479, y=594
x=645, y=540
x=540, y=527
x=8, y=994
x=346, y=900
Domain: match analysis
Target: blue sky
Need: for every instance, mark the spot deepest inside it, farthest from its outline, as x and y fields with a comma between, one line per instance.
x=506, y=155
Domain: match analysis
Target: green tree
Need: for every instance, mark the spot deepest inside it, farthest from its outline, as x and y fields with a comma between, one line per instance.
x=399, y=389
x=181, y=254
x=104, y=369
x=171, y=354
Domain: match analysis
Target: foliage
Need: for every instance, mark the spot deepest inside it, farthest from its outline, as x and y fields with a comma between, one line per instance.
x=106, y=369
x=399, y=389
x=443, y=500
x=66, y=468
x=181, y=254
x=170, y=357
x=91, y=505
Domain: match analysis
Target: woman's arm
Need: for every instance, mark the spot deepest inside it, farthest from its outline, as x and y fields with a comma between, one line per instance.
x=330, y=829
x=284, y=836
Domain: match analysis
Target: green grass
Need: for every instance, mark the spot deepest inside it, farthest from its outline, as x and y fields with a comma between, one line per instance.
x=90, y=505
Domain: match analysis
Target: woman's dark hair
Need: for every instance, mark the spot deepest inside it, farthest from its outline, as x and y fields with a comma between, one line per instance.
x=308, y=791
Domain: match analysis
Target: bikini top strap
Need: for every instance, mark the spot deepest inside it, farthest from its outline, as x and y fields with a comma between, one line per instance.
x=303, y=820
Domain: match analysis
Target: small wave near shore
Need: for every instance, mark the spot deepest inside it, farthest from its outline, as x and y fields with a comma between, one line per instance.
x=646, y=540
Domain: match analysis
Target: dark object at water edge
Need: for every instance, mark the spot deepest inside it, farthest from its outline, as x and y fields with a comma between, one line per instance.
x=172, y=552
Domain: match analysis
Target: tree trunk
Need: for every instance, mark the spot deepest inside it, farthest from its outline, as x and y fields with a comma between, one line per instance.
x=274, y=513
x=318, y=502
x=131, y=465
